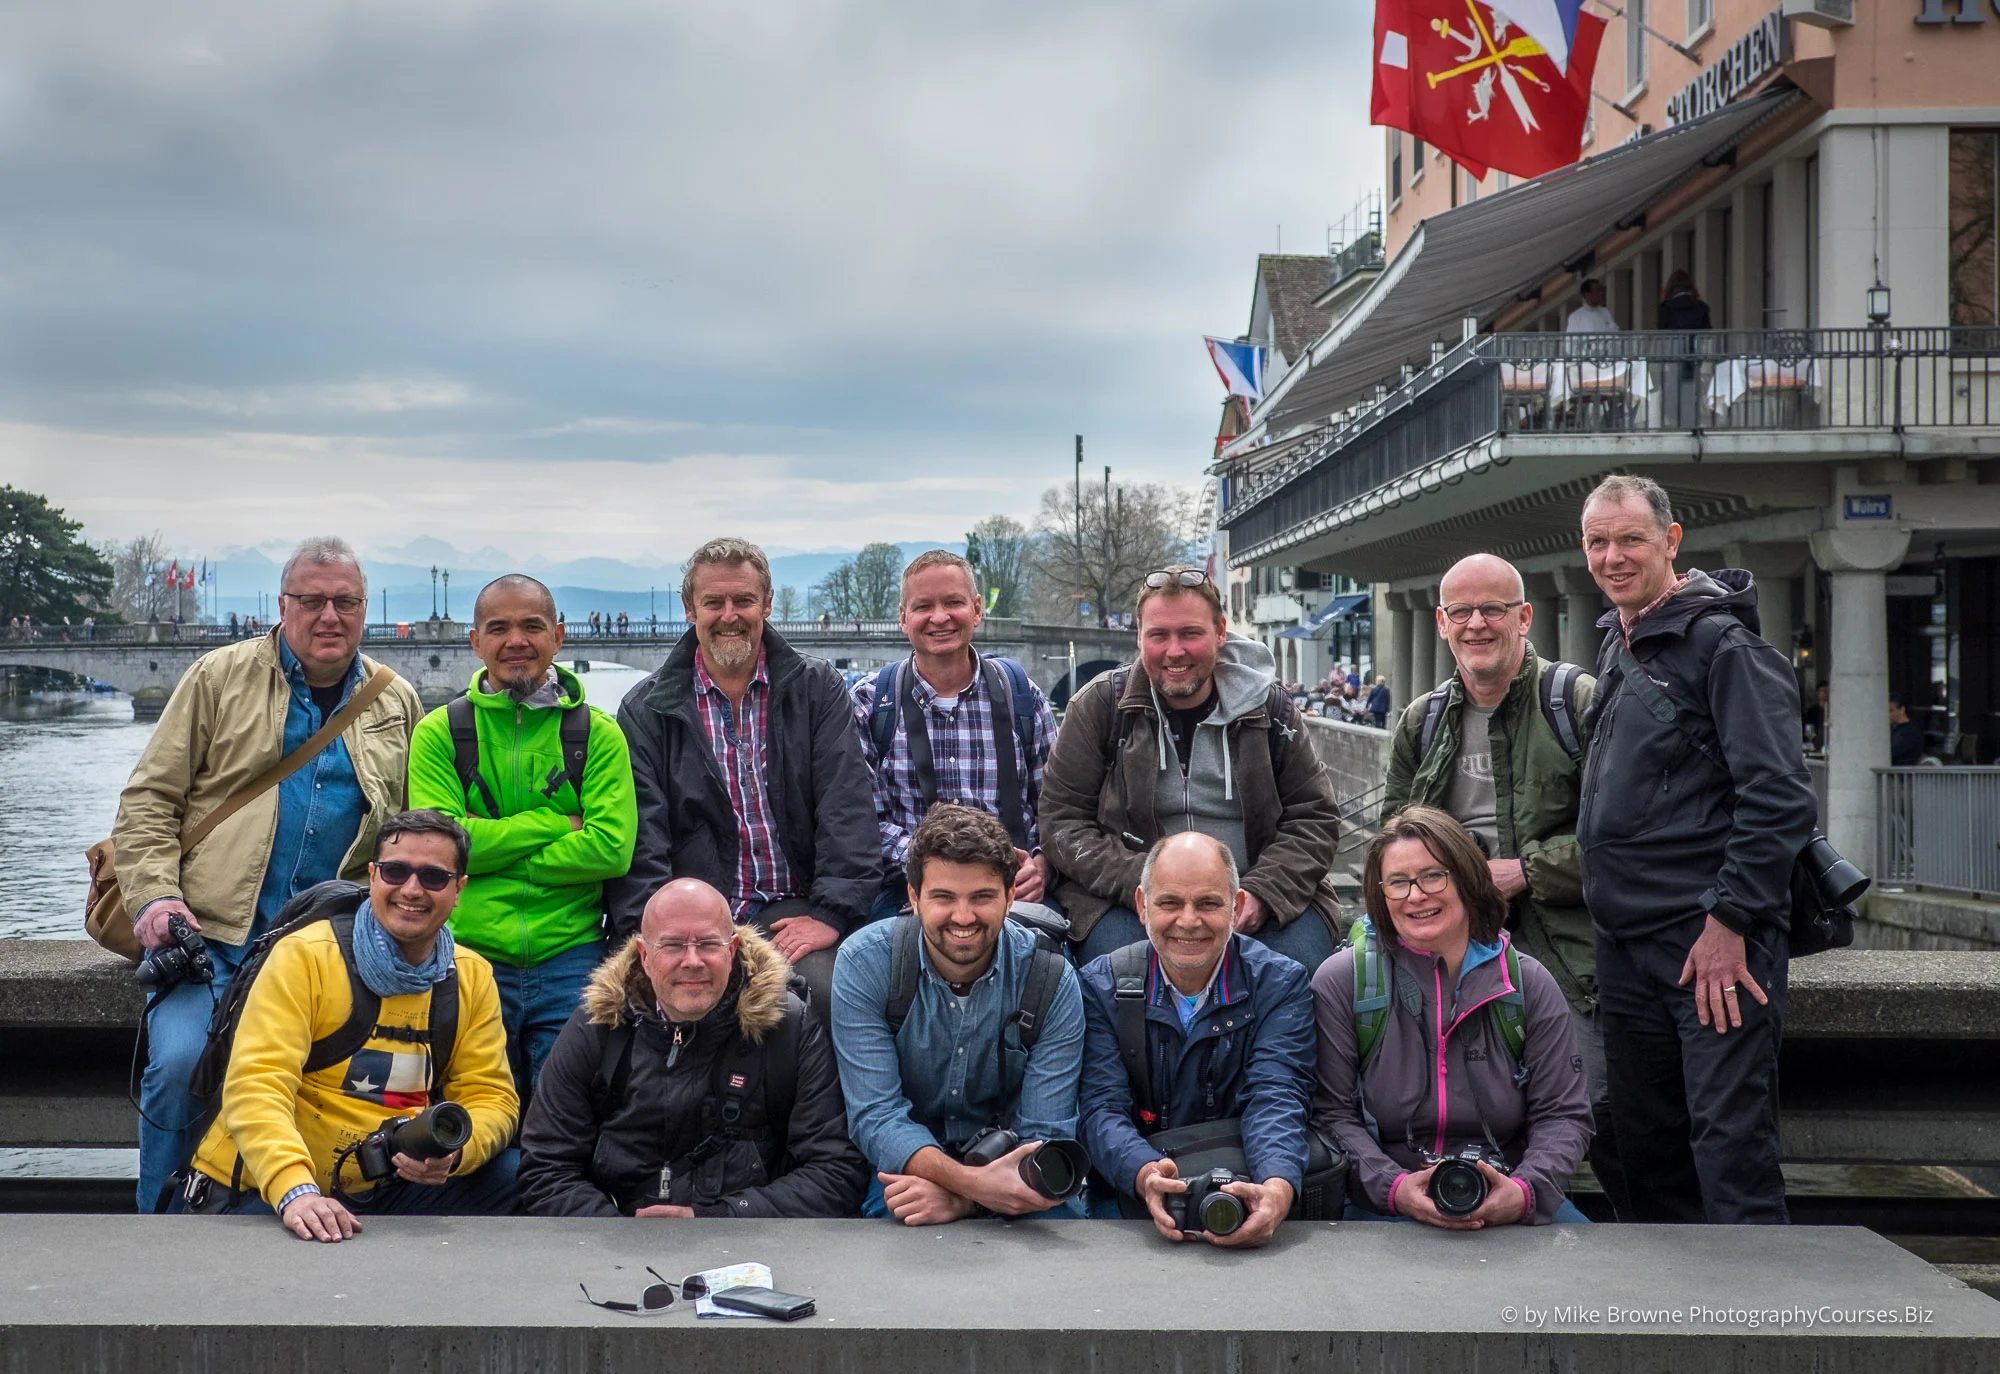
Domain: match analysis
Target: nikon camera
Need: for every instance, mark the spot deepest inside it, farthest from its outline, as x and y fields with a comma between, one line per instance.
x=1457, y=1186
x=432, y=1133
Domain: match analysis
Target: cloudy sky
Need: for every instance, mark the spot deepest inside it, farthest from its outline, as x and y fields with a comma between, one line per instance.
x=609, y=278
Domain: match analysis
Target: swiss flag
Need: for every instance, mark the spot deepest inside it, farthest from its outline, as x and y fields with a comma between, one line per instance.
x=1471, y=83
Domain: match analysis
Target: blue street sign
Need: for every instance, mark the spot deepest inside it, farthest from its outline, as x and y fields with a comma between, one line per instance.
x=1872, y=507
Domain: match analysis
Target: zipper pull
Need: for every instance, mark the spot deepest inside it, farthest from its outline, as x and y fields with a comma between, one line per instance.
x=674, y=1050
x=666, y=1181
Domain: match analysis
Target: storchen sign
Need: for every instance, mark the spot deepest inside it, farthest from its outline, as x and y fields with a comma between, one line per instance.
x=1748, y=60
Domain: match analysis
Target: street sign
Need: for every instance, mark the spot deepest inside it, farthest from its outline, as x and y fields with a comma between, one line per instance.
x=1879, y=506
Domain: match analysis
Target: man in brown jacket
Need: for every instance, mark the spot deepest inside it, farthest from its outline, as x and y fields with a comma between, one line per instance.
x=238, y=711
x=1197, y=735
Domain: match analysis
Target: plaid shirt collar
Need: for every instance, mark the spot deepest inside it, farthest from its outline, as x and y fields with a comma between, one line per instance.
x=1625, y=626
x=704, y=684
x=927, y=695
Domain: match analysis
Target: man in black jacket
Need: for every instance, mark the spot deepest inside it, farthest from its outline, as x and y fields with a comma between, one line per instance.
x=1694, y=808
x=691, y=1083
x=749, y=773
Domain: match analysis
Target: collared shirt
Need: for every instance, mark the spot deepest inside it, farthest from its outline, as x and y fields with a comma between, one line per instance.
x=938, y=1081
x=962, y=758
x=737, y=740
x=319, y=806
x=1591, y=319
x=1625, y=626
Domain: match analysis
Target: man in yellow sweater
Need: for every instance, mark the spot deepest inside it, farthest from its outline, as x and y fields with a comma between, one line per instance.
x=292, y=1115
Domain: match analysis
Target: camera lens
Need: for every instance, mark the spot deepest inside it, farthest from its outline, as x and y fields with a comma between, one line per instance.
x=1057, y=1169
x=1457, y=1188
x=1222, y=1213
x=433, y=1133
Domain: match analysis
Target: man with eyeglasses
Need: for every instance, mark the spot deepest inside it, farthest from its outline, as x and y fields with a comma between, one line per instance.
x=691, y=1083
x=233, y=716
x=1196, y=735
x=300, y=1098
x=1499, y=745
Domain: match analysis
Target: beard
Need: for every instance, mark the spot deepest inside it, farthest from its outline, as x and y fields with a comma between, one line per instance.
x=731, y=652
x=1194, y=687
x=520, y=688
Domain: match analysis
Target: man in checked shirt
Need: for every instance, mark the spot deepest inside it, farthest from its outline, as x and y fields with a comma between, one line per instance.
x=749, y=773
x=951, y=724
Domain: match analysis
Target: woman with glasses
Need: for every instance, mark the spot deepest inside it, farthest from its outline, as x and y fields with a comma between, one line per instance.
x=1448, y=1066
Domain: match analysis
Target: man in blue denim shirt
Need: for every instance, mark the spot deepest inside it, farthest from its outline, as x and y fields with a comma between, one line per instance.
x=235, y=714
x=916, y=1096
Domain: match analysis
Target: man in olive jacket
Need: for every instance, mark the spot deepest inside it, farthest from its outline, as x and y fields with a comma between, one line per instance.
x=1499, y=746
x=1197, y=735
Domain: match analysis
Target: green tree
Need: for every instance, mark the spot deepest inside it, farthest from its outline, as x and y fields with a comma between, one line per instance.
x=45, y=570
x=998, y=547
x=833, y=595
x=878, y=581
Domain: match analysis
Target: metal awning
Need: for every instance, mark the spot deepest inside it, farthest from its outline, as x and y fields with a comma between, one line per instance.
x=1340, y=608
x=1481, y=257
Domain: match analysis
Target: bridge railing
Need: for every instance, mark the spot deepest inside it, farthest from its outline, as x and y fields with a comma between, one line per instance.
x=641, y=629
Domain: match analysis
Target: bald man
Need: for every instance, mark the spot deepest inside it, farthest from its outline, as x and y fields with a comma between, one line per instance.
x=1228, y=1027
x=543, y=784
x=1500, y=745
x=691, y=1083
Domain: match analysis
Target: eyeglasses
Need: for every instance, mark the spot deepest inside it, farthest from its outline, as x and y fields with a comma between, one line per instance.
x=658, y=1297
x=430, y=877
x=1432, y=881
x=1186, y=577
x=312, y=603
x=708, y=947
x=1459, y=612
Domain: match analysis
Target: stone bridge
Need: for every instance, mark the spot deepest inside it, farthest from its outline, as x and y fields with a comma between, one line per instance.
x=146, y=661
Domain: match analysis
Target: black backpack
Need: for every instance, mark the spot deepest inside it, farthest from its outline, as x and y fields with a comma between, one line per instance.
x=1555, y=686
x=463, y=717
x=334, y=902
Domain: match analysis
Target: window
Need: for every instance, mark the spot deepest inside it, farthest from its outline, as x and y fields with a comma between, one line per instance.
x=1701, y=17
x=1395, y=165
x=1635, y=44
x=1416, y=160
x=1471, y=188
x=1974, y=198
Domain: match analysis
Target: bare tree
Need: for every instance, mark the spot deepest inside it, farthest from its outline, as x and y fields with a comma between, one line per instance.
x=785, y=605
x=999, y=548
x=833, y=595
x=139, y=590
x=1104, y=560
x=878, y=581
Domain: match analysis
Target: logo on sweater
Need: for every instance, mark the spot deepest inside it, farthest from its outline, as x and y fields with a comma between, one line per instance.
x=401, y=1081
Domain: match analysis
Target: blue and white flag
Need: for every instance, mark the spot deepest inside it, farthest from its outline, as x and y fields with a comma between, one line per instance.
x=1551, y=23
x=1240, y=365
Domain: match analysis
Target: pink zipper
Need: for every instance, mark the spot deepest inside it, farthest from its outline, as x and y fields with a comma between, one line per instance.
x=1437, y=977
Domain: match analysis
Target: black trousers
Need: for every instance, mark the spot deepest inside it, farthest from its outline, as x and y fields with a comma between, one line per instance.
x=1695, y=1113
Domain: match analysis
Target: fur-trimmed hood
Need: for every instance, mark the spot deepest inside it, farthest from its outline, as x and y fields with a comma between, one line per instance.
x=620, y=986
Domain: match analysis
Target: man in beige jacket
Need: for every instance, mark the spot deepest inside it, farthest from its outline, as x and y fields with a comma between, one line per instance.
x=234, y=715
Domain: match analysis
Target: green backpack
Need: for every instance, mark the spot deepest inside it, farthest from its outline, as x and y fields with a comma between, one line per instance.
x=1371, y=999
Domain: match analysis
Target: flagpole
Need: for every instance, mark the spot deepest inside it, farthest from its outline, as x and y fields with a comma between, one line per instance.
x=1684, y=52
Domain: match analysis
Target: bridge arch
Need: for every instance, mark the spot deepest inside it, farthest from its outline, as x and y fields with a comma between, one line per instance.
x=1060, y=694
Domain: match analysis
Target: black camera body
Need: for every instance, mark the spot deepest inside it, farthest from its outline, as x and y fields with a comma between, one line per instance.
x=185, y=960
x=1206, y=1207
x=432, y=1133
x=1457, y=1187
x=1057, y=1169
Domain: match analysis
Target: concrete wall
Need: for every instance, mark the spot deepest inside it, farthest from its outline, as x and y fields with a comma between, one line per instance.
x=1357, y=756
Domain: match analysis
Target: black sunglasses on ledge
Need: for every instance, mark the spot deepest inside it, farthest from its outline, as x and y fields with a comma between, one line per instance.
x=658, y=1297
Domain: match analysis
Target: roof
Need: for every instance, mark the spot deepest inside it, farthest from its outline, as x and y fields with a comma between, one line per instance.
x=1481, y=257
x=1292, y=282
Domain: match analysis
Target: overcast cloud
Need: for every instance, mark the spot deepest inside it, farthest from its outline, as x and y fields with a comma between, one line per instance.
x=611, y=278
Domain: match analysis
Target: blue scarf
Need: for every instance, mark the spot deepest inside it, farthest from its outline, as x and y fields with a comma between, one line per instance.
x=381, y=964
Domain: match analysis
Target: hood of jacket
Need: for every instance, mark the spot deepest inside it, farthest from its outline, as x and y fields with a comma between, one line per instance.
x=620, y=986
x=1731, y=590
x=568, y=692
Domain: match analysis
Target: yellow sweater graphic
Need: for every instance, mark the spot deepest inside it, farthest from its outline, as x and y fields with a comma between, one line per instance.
x=287, y=1126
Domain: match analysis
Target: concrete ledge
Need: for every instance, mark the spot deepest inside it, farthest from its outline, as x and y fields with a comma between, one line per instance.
x=66, y=983
x=1928, y=920
x=1895, y=994
x=460, y=1294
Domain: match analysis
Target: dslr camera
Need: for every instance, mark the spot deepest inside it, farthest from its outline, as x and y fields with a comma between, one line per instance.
x=1206, y=1207
x=432, y=1133
x=185, y=959
x=1457, y=1187
x=1057, y=1169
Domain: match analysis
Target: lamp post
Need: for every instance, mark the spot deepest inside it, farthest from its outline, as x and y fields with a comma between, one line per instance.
x=1079, y=526
x=447, y=593
x=434, y=591
x=1878, y=304
x=1104, y=584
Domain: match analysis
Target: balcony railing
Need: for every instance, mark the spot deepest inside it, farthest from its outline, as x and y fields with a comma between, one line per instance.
x=1643, y=382
x=1938, y=827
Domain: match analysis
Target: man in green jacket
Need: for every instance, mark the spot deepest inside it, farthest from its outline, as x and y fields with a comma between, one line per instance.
x=543, y=784
x=1500, y=745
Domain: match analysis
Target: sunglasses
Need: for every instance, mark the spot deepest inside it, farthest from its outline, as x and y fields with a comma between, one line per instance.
x=395, y=873
x=658, y=1297
x=1186, y=577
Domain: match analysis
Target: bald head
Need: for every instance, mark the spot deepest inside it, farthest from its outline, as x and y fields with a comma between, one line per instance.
x=1482, y=577
x=1491, y=642
x=1187, y=854
x=686, y=899
x=511, y=586
x=687, y=944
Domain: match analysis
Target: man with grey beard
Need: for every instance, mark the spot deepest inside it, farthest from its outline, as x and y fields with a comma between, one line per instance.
x=543, y=785
x=750, y=774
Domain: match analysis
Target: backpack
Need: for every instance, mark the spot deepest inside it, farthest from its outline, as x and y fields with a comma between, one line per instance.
x=1014, y=714
x=1372, y=998
x=462, y=716
x=334, y=902
x=1037, y=997
x=1558, y=709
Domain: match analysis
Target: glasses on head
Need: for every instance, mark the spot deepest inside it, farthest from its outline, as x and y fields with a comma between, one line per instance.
x=430, y=877
x=658, y=1297
x=1460, y=612
x=1185, y=577
x=312, y=603
x=708, y=947
x=1433, y=881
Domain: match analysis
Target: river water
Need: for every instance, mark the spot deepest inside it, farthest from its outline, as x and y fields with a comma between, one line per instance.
x=64, y=757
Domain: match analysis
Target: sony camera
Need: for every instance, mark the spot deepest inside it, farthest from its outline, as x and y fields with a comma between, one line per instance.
x=1057, y=1169
x=1457, y=1187
x=184, y=960
x=432, y=1133
x=1206, y=1207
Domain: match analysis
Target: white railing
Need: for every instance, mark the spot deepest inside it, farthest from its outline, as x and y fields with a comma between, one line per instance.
x=1938, y=827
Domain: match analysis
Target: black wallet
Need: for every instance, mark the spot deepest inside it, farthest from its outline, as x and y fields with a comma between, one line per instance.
x=764, y=1302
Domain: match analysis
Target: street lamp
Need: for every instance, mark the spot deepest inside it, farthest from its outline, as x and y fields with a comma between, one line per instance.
x=434, y=591
x=1878, y=304
x=447, y=593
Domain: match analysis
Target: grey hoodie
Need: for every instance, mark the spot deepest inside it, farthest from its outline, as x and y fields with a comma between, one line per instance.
x=1204, y=798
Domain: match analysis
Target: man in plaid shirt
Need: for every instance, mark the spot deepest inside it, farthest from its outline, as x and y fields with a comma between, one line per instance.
x=972, y=745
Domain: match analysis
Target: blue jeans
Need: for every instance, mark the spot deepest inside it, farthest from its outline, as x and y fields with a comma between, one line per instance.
x=874, y=1208
x=535, y=1004
x=487, y=1191
x=1566, y=1214
x=1306, y=940
x=176, y=1031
